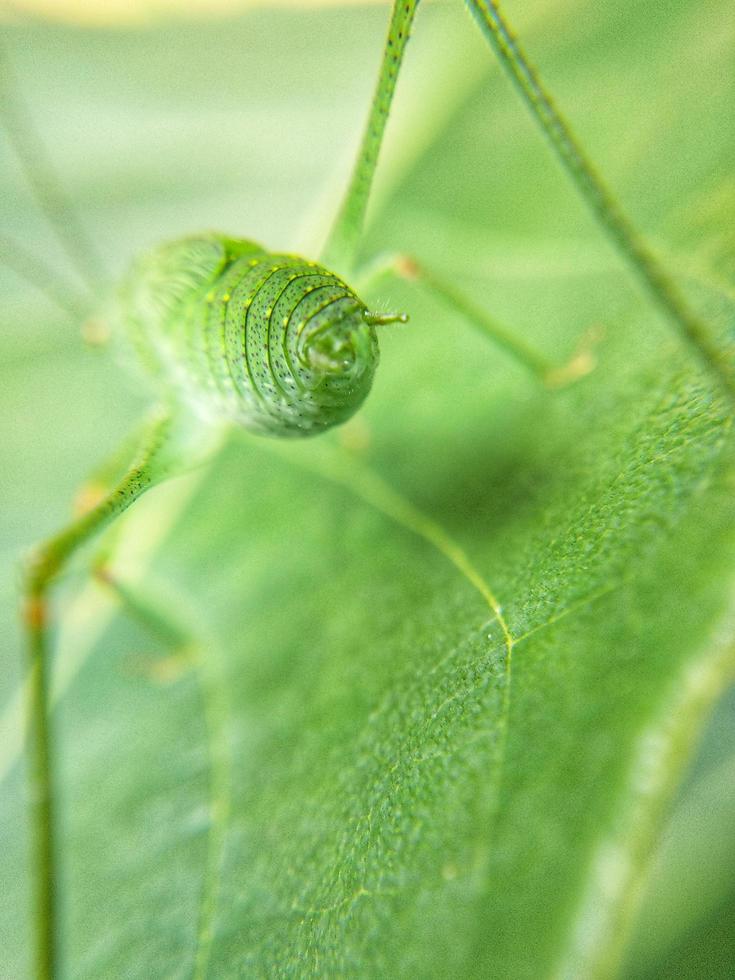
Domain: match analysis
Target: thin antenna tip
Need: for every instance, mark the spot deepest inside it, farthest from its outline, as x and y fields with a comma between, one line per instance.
x=382, y=319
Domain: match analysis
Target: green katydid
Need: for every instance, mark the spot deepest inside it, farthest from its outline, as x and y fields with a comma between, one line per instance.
x=232, y=333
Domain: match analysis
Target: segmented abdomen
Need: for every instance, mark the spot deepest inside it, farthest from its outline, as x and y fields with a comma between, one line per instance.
x=274, y=342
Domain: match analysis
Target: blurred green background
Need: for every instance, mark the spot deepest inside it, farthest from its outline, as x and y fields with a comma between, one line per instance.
x=347, y=785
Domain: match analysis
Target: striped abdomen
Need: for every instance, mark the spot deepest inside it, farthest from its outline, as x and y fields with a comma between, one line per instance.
x=274, y=342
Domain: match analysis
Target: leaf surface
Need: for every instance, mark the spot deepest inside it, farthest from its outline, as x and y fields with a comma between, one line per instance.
x=360, y=774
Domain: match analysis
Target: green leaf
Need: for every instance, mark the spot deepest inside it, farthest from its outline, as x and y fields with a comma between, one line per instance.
x=352, y=776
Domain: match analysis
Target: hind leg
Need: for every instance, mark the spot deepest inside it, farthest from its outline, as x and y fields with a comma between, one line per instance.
x=150, y=465
x=549, y=373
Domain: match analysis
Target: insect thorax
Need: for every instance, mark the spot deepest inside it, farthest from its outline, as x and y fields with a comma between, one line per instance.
x=273, y=342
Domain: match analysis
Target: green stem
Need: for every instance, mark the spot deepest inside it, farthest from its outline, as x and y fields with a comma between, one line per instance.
x=659, y=284
x=344, y=236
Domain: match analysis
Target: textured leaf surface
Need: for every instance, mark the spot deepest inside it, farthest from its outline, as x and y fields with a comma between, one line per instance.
x=354, y=778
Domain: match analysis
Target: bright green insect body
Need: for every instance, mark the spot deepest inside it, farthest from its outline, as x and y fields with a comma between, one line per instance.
x=228, y=332
x=274, y=343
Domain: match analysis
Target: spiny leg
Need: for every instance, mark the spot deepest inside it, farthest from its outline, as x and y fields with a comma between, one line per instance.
x=547, y=372
x=343, y=240
x=107, y=474
x=660, y=285
x=152, y=464
x=344, y=237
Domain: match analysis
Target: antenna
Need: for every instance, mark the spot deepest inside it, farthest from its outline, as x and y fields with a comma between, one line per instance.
x=44, y=181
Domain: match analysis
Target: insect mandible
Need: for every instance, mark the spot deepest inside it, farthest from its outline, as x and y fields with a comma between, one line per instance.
x=230, y=333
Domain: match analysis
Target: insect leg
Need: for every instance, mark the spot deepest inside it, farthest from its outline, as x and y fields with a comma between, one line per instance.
x=191, y=647
x=548, y=373
x=151, y=612
x=107, y=474
x=645, y=264
x=154, y=462
x=341, y=246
